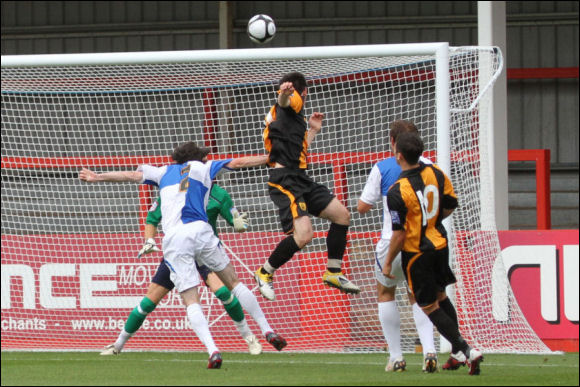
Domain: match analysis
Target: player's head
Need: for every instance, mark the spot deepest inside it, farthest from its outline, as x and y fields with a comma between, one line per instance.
x=398, y=127
x=189, y=151
x=298, y=81
x=409, y=146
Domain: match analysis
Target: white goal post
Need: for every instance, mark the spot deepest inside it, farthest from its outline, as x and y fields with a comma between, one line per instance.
x=70, y=275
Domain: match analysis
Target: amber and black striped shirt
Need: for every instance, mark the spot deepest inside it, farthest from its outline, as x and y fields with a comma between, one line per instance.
x=285, y=134
x=415, y=203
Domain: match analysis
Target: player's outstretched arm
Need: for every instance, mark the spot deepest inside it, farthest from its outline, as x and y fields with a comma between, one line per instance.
x=247, y=161
x=120, y=176
x=315, y=123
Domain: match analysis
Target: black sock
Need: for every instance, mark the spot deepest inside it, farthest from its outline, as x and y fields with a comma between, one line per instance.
x=283, y=252
x=449, y=330
x=449, y=310
x=336, y=244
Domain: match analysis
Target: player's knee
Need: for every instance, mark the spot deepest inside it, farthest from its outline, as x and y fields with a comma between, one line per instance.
x=386, y=294
x=229, y=277
x=156, y=292
x=303, y=232
x=341, y=216
x=346, y=217
x=303, y=237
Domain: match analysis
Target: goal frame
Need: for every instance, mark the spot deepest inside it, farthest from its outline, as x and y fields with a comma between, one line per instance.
x=440, y=51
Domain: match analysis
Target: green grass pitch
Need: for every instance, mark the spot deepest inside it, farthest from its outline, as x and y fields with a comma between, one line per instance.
x=168, y=369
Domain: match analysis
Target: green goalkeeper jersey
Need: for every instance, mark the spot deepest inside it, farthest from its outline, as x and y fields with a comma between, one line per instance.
x=220, y=203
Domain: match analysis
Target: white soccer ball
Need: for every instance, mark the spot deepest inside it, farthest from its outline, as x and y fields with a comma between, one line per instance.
x=261, y=29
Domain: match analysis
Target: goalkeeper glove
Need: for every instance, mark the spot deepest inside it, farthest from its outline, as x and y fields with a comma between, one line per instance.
x=240, y=221
x=149, y=247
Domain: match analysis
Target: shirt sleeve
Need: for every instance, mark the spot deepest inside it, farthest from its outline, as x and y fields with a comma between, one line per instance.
x=397, y=208
x=224, y=201
x=216, y=168
x=152, y=175
x=226, y=209
x=449, y=198
x=371, y=193
x=154, y=214
x=296, y=102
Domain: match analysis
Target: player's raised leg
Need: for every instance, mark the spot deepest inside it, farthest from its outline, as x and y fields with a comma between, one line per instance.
x=449, y=329
x=458, y=359
x=250, y=304
x=301, y=234
x=336, y=240
x=234, y=309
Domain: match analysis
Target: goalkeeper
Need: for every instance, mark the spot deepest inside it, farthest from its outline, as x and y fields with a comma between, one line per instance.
x=220, y=203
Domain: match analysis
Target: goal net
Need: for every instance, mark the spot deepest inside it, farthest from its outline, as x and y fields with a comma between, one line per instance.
x=70, y=273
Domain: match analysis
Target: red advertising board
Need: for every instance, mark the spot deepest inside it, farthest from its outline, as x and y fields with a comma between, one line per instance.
x=542, y=266
x=80, y=297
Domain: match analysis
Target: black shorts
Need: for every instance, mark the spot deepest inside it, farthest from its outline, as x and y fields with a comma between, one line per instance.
x=296, y=194
x=162, y=275
x=427, y=274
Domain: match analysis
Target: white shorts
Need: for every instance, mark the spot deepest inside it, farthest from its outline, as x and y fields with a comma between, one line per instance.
x=189, y=243
x=396, y=269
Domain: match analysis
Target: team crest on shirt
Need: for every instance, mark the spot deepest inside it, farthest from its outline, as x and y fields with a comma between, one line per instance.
x=302, y=206
x=395, y=219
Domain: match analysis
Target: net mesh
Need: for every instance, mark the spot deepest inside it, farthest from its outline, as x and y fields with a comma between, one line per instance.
x=69, y=270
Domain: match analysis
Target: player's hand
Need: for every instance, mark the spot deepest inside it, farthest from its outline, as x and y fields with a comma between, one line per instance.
x=315, y=121
x=287, y=88
x=87, y=175
x=387, y=271
x=149, y=247
x=240, y=221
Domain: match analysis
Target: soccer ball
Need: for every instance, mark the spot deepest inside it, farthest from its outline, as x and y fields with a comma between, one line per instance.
x=261, y=29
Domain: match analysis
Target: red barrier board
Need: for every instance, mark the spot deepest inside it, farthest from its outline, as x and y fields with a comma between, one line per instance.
x=92, y=289
x=542, y=267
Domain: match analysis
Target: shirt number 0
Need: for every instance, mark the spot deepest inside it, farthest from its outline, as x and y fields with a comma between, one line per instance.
x=430, y=192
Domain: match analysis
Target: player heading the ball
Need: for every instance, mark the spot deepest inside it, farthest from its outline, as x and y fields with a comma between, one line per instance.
x=287, y=137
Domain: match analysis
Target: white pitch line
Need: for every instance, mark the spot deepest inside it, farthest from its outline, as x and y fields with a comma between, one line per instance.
x=257, y=361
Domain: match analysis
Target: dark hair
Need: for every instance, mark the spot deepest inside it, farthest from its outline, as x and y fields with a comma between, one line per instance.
x=410, y=145
x=401, y=126
x=189, y=151
x=298, y=81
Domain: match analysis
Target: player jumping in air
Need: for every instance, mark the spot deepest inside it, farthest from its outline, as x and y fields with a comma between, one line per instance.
x=297, y=196
x=189, y=238
x=220, y=203
x=418, y=202
x=384, y=174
